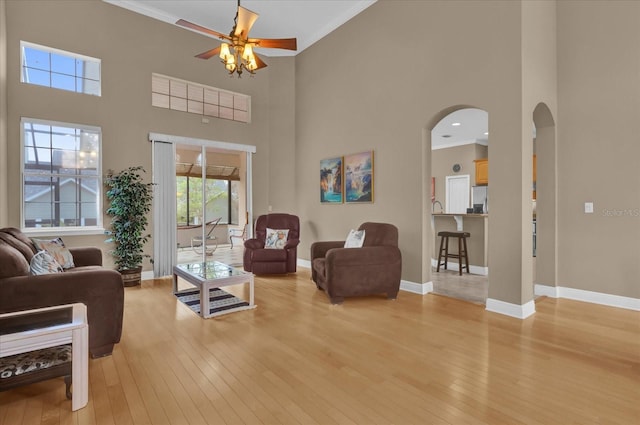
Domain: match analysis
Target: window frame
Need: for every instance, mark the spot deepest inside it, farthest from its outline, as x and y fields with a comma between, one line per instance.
x=98, y=228
x=60, y=52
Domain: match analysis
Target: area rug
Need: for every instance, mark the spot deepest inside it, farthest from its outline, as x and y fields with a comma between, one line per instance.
x=219, y=300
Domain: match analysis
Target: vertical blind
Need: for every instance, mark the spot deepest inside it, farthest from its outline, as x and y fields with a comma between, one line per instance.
x=164, y=207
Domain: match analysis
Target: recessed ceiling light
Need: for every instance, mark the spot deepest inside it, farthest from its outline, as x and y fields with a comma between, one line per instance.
x=455, y=124
x=486, y=133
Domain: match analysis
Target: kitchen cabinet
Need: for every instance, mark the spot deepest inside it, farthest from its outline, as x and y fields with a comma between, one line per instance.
x=482, y=171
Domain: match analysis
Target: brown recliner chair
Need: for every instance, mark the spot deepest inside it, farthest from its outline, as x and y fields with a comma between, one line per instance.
x=375, y=268
x=259, y=260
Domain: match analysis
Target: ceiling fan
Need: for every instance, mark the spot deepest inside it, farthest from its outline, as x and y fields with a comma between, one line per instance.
x=236, y=50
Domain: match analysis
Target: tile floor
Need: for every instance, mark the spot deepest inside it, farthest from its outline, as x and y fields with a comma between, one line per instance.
x=223, y=253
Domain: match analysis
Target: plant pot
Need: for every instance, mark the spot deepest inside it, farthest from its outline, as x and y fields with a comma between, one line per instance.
x=131, y=277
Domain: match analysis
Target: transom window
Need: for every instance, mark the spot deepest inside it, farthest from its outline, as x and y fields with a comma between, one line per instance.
x=61, y=175
x=186, y=96
x=46, y=66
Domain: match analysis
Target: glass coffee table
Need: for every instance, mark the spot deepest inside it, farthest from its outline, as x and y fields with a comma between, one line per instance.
x=208, y=299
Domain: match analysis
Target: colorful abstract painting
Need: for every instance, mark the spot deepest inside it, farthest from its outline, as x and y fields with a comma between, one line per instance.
x=331, y=180
x=358, y=176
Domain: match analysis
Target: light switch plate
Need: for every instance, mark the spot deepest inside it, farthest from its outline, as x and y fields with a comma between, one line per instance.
x=588, y=207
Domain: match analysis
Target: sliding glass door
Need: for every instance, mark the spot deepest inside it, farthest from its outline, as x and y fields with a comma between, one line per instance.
x=211, y=193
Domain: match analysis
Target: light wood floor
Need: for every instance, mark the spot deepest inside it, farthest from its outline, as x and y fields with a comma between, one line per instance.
x=297, y=359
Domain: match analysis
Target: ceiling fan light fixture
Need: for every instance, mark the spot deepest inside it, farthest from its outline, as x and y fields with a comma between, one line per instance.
x=247, y=53
x=230, y=63
x=236, y=52
x=224, y=51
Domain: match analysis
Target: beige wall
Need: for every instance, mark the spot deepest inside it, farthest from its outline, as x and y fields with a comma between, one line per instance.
x=132, y=47
x=500, y=58
x=598, y=147
x=282, y=149
x=506, y=66
x=3, y=116
x=384, y=105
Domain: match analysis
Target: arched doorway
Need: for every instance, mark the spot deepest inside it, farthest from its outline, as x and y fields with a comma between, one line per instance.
x=454, y=142
x=545, y=265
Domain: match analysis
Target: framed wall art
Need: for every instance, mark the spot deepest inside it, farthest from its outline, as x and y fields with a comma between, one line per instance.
x=358, y=177
x=331, y=180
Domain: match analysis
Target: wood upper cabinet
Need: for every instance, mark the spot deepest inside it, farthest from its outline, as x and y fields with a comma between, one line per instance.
x=482, y=171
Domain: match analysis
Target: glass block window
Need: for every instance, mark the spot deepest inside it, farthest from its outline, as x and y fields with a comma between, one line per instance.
x=61, y=175
x=185, y=96
x=49, y=67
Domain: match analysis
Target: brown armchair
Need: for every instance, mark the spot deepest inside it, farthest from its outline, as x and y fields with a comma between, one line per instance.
x=373, y=269
x=259, y=260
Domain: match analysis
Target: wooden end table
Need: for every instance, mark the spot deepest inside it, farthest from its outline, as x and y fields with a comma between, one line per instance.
x=31, y=330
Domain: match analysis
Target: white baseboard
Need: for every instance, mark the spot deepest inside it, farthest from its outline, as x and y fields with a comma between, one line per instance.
x=416, y=288
x=479, y=270
x=513, y=310
x=497, y=306
x=588, y=296
x=147, y=275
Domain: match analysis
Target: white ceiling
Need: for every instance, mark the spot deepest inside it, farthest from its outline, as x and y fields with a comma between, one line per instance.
x=308, y=21
x=473, y=124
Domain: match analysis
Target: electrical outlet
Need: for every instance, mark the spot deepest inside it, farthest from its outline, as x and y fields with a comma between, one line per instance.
x=588, y=207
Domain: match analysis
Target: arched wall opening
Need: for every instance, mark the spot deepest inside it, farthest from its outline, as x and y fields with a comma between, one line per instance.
x=546, y=207
x=428, y=233
x=546, y=190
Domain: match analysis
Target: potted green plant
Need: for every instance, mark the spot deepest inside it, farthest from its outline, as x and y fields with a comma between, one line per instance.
x=130, y=201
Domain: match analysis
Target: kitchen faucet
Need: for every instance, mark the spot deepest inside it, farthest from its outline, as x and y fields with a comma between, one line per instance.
x=433, y=206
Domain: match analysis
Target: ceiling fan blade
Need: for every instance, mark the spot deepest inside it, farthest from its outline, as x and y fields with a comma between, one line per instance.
x=246, y=19
x=209, y=53
x=260, y=62
x=276, y=43
x=199, y=28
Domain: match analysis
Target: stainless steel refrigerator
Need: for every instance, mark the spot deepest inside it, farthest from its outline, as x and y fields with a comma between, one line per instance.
x=480, y=199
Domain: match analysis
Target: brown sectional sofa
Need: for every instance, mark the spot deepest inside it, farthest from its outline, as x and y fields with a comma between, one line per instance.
x=100, y=289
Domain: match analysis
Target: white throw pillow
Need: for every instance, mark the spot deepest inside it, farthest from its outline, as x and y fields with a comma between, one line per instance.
x=43, y=263
x=355, y=239
x=276, y=238
x=56, y=248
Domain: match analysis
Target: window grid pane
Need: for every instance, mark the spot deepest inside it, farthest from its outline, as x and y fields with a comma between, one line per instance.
x=185, y=96
x=62, y=183
x=48, y=67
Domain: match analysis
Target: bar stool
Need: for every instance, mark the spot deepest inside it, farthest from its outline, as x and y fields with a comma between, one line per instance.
x=462, y=249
